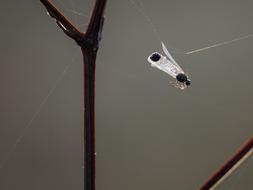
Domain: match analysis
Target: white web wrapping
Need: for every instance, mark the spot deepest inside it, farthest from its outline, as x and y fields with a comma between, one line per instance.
x=169, y=66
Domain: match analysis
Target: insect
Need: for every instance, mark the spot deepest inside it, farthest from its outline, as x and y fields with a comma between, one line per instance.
x=169, y=66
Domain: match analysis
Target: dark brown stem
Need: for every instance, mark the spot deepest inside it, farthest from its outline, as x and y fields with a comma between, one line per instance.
x=89, y=57
x=230, y=165
x=89, y=43
x=96, y=22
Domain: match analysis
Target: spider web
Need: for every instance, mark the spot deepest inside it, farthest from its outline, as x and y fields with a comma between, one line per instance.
x=77, y=11
x=139, y=5
x=236, y=171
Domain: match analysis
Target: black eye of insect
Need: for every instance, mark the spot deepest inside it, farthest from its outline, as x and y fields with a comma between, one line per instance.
x=181, y=77
x=155, y=57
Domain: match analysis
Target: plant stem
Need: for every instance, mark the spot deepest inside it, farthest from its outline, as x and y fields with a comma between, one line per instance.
x=229, y=166
x=89, y=43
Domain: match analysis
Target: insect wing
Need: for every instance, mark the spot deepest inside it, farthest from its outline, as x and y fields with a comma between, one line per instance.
x=167, y=53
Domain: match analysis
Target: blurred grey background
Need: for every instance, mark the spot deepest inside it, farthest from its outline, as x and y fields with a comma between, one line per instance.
x=150, y=135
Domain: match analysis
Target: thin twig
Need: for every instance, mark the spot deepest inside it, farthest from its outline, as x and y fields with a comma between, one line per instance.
x=89, y=43
x=229, y=166
x=62, y=20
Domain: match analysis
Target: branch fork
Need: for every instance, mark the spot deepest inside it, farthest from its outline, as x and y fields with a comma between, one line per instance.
x=92, y=36
x=89, y=43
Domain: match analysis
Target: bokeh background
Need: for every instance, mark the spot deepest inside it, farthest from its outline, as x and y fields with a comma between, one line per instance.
x=150, y=135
